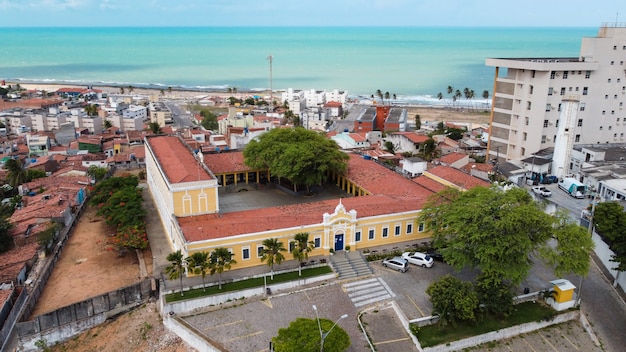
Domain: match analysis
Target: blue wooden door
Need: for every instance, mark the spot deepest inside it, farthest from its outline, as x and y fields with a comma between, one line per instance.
x=339, y=242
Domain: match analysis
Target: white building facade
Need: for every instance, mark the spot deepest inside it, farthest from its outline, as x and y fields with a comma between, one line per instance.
x=530, y=94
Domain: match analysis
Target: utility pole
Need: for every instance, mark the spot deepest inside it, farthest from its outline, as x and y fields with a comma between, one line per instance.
x=271, y=58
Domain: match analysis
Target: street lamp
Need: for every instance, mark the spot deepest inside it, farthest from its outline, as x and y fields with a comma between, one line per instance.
x=324, y=335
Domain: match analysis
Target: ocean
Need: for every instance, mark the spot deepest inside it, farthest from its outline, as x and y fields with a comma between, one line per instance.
x=414, y=63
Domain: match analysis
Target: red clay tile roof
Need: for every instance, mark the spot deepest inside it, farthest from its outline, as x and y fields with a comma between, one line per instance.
x=412, y=136
x=177, y=162
x=452, y=157
x=13, y=260
x=205, y=227
x=429, y=184
x=484, y=167
x=457, y=177
x=220, y=163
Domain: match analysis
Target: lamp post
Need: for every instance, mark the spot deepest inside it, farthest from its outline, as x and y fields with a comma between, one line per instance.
x=324, y=335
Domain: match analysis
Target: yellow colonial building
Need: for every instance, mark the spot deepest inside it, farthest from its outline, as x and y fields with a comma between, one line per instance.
x=381, y=206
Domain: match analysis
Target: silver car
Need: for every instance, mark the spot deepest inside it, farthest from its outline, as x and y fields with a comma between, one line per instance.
x=396, y=263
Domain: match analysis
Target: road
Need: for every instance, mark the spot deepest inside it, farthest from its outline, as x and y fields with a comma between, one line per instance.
x=180, y=116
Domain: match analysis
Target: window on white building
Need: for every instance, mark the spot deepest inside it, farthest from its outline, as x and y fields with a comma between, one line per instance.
x=577, y=138
x=588, y=74
x=585, y=90
x=552, y=74
x=582, y=106
x=548, y=106
x=564, y=74
x=562, y=90
x=550, y=91
x=543, y=139
x=545, y=123
x=580, y=122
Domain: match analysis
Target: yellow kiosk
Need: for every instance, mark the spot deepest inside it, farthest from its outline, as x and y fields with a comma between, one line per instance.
x=563, y=296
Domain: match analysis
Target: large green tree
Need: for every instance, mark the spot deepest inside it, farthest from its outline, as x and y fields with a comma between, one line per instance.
x=609, y=220
x=273, y=253
x=303, y=335
x=302, y=156
x=452, y=300
x=496, y=232
x=221, y=259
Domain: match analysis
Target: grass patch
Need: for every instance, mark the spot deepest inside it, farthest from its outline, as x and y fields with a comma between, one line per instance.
x=249, y=283
x=526, y=312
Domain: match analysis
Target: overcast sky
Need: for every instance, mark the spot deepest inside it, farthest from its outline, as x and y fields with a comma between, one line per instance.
x=534, y=13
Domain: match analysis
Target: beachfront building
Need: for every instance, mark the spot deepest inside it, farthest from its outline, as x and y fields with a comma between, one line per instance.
x=135, y=111
x=160, y=113
x=557, y=102
x=381, y=206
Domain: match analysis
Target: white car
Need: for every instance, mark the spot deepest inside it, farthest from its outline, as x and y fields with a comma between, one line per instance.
x=542, y=191
x=396, y=263
x=418, y=258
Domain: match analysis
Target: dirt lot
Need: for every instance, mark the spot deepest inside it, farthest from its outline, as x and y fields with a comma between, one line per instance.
x=88, y=267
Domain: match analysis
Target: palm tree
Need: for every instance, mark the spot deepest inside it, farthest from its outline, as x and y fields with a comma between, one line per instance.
x=302, y=248
x=91, y=110
x=199, y=263
x=485, y=95
x=387, y=96
x=439, y=96
x=418, y=122
x=162, y=92
x=272, y=253
x=130, y=89
x=16, y=174
x=395, y=96
x=379, y=94
x=122, y=90
x=107, y=124
x=176, y=269
x=155, y=128
x=169, y=90
x=221, y=258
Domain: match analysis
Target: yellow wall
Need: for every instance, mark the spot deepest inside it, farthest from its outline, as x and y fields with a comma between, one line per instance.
x=195, y=201
x=237, y=244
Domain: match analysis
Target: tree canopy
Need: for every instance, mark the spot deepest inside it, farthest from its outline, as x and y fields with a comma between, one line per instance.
x=610, y=220
x=303, y=335
x=304, y=157
x=452, y=300
x=497, y=231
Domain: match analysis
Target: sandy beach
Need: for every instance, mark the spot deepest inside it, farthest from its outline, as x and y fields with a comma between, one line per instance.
x=426, y=112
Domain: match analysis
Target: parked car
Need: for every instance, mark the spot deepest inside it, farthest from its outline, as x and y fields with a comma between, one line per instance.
x=542, y=191
x=435, y=254
x=418, y=258
x=396, y=263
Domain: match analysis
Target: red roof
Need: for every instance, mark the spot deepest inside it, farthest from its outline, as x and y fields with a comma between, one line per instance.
x=205, y=227
x=457, y=177
x=177, y=162
x=412, y=136
x=220, y=163
x=452, y=157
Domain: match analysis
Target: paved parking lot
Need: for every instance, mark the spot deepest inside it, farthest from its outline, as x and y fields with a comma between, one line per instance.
x=249, y=325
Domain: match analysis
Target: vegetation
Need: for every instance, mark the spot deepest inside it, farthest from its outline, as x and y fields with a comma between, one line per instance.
x=248, y=283
x=16, y=174
x=6, y=241
x=209, y=119
x=33, y=174
x=155, y=128
x=497, y=231
x=221, y=259
x=610, y=220
x=199, y=263
x=272, y=253
x=452, y=300
x=176, y=269
x=418, y=122
x=302, y=156
x=390, y=147
x=302, y=248
x=303, y=335
x=46, y=237
x=120, y=203
x=432, y=335
x=91, y=110
x=98, y=173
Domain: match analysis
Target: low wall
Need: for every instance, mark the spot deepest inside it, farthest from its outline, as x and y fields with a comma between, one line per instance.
x=502, y=334
x=605, y=254
x=192, y=336
x=191, y=305
x=67, y=322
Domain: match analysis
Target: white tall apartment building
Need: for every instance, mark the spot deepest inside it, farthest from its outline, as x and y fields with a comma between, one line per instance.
x=584, y=94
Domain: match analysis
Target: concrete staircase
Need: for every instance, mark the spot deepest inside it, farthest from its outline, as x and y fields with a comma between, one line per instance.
x=349, y=265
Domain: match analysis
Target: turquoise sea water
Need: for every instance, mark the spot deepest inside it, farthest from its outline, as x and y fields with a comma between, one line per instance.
x=409, y=62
